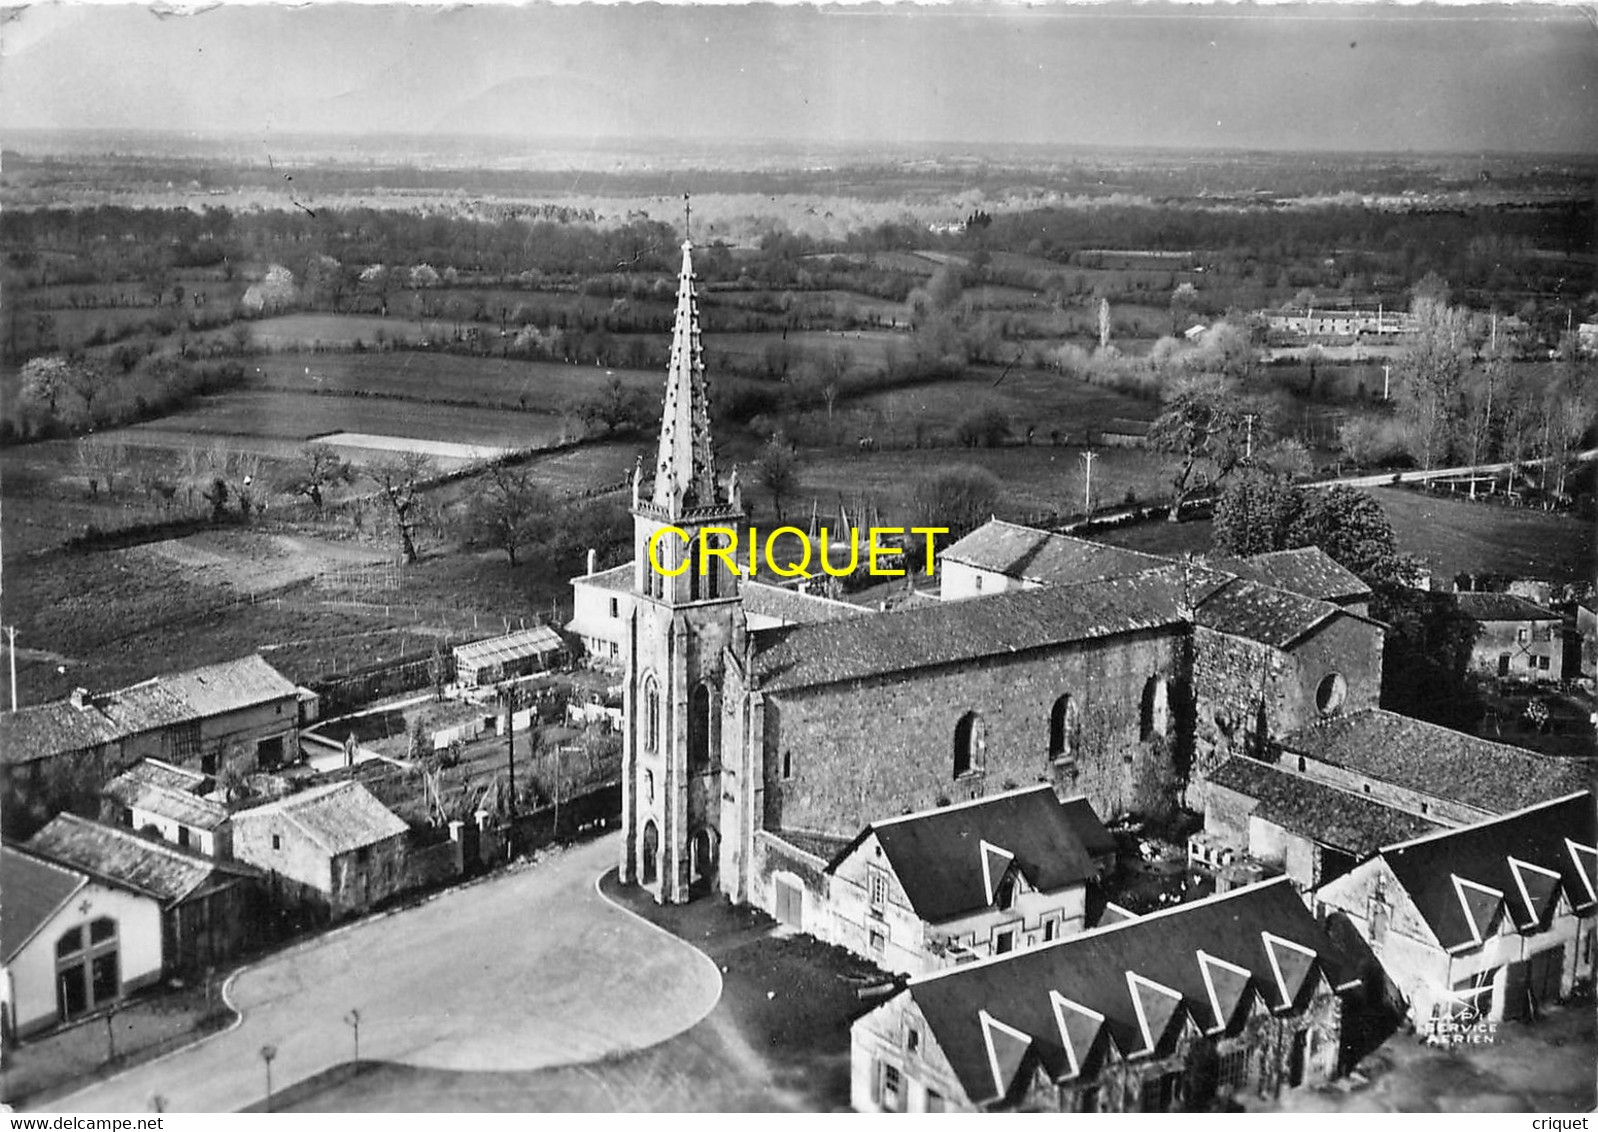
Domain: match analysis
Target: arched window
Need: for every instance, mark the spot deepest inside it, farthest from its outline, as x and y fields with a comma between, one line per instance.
x=702, y=855
x=970, y=745
x=649, y=788
x=88, y=972
x=1330, y=693
x=1155, y=713
x=699, y=728
x=650, y=865
x=1064, y=728
x=651, y=728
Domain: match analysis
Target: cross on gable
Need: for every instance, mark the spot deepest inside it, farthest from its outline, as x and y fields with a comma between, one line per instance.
x=83, y=909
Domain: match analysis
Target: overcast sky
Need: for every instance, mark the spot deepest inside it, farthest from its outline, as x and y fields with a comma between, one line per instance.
x=1320, y=76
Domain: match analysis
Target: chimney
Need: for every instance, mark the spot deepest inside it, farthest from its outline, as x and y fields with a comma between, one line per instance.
x=80, y=699
x=591, y=557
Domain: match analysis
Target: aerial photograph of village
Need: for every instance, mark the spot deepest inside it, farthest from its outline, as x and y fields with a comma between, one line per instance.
x=806, y=558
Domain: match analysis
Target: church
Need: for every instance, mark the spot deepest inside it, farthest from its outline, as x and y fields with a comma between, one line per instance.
x=755, y=747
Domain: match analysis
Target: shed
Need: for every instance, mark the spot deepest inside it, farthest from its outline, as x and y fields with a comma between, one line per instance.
x=515, y=654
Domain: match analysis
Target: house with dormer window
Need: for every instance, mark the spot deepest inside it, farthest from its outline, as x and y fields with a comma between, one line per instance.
x=1237, y=994
x=927, y=890
x=1491, y=921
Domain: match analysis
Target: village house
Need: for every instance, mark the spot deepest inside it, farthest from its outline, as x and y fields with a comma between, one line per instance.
x=71, y=945
x=602, y=606
x=330, y=851
x=1000, y=556
x=1516, y=638
x=210, y=910
x=927, y=890
x=238, y=716
x=1495, y=920
x=173, y=802
x=1238, y=994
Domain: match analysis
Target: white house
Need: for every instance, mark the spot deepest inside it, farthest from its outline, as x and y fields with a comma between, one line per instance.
x=1493, y=920
x=71, y=945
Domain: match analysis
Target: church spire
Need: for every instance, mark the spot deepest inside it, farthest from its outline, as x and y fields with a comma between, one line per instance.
x=685, y=471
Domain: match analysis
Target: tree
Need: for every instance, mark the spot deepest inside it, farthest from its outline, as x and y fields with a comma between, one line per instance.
x=959, y=497
x=987, y=427
x=319, y=468
x=45, y=379
x=1184, y=300
x=1255, y=514
x=400, y=479
x=101, y=461
x=509, y=511
x=1431, y=375
x=777, y=469
x=1351, y=527
x=1426, y=656
x=1204, y=427
x=622, y=409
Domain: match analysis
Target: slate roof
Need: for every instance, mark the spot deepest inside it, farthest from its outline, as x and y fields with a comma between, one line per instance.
x=1351, y=823
x=1261, y=613
x=1434, y=760
x=616, y=578
x=949, y=861
x=925, y=636
x=35, y=889
x=795, y=607
x=1128, y=983
x=1097, y=840
x=340, y=818
x=121, y=857
x=1042, y=556
x=823, y=846
x=1462, y=880
x=537, y=641
x=168, y=792
x=1502, y=607
x=56, y=728
x=1308, y=571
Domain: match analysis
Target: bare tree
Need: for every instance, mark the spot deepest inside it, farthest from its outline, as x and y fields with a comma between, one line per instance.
x=778, y=471
x=400, y=479
x=510, y=510
x=320, y=467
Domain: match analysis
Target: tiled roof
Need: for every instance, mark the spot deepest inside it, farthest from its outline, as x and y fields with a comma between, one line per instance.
x=1501, y=607
x=1308, y=571
x=1041, y=556
x=1462, y=880
x=1129, y=983
x=537, y=641
x=168, y=792
x=616, y=578
x=120, y=856
x=34, y=890
x=950, y=860
x=1261, y=613
x=796, y=608
x=947, y=633
x=54, y=728
x=340, y=818
x=1348, y=822
x=1438, y=761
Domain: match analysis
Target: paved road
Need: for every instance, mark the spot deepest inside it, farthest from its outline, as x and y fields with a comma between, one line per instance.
x=1414, y=475
x=526, y=970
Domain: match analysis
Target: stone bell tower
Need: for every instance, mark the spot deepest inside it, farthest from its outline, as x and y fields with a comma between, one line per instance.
x=682, y=622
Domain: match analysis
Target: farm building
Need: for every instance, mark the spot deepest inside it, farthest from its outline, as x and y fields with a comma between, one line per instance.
x=174, y=802
x=1517, y=638
x=1123, y=433
x=331, y=850
x=58, y=756
x=1492, y=921
x=521, y=653
x=71, y=945
x=1239, y=994
x=210, y=910
x=928, y=890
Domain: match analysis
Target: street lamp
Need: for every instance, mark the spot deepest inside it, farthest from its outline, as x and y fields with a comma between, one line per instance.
x=267, y=1054
x=354, y=1020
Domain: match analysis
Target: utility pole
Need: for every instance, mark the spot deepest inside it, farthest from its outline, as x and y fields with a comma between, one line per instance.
x=509, y=691
x=267, y=1054
x=1248, y=440
x=12, y=652
x=1387, y=377
x=1087, y=487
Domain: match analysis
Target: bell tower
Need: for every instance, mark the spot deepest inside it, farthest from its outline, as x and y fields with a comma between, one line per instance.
x=685, y=613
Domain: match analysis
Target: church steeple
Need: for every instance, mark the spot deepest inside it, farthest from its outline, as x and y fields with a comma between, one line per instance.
x=685, y=471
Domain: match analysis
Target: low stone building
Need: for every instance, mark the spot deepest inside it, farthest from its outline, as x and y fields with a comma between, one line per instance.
x=1516, y=638
x=1492, y=921
x=70, y=945
x=173, y=802
x=329, y=852
x=1235, y=994
x=944, y=886
x=211, y=910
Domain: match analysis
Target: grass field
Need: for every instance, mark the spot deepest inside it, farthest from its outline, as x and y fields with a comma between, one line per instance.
x=423, y=376
x=1450, y=536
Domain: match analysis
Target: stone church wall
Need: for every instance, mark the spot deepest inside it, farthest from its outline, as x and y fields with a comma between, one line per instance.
x=872, y=749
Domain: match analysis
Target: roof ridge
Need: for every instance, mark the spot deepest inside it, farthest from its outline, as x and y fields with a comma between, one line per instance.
x=1474, y=826
x=122, y=832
